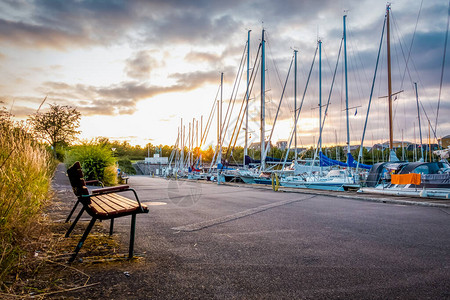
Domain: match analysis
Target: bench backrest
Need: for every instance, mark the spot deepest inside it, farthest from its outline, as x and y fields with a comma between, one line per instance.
x=77, y=181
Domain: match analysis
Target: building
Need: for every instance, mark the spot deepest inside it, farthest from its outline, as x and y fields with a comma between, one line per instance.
x=151, y=165
x=156, y=159
x=445, y=141
x=257, y=146
x=411, y=147
x=282, y=145
x=395, y=145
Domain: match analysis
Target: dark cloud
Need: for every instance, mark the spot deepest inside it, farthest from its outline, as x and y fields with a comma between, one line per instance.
x=140, y=65
x=30, y=35
x=21, y=111
x=21, y=107
x=63, y=24
x=190, y=27
x=195, y=79
x=216, y=59
x=111, y=100
x=197, y=56
x=122, y=98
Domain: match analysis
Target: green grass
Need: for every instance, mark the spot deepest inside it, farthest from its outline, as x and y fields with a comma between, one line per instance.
x=26, y=169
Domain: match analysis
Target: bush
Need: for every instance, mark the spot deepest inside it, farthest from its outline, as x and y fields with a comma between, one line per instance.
x=26, y=169
x=96, y=161
x=110, y=175
x=126, y=166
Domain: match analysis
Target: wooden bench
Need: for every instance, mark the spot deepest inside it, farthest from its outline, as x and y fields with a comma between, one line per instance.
x=124, y=178
x=87, y=182
x=102, y=204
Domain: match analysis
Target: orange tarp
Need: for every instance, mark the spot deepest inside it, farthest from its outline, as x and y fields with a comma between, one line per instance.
x=411, y=178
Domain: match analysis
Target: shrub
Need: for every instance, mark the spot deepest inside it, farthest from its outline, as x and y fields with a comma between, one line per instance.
x=110, y=175
x=96, y=161
x=126, y=166
x=26, y=169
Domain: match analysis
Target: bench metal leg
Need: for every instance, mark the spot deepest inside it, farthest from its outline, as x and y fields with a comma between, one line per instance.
x=73, y=210
x=83, y=238
x=111, y=227
x=133, y=229
x=74, y=222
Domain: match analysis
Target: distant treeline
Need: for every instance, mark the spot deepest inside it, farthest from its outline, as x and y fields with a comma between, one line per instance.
x=125, y=150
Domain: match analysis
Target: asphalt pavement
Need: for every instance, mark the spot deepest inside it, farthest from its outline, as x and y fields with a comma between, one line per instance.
x=209, y=241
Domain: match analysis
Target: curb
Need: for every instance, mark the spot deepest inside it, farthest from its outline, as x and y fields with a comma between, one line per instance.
x=354, y=197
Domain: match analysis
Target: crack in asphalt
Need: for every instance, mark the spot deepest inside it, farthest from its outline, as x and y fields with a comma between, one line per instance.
x=242, y=214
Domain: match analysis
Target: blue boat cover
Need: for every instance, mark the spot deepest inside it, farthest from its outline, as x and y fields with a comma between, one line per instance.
x=223, y=167
x=326, y=162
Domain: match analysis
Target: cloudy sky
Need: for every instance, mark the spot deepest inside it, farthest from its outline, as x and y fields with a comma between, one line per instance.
x=135, y=68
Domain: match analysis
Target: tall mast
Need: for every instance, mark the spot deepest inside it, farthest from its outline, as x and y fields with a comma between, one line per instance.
x=346, y=88
x=218, y=121
x=196, y=140
x=220, y=113
x=201, y=138
x=429, y=138
x=189, y=146
x=320, y=95
x=182, y=144
x=193, y=139
x=248, y=87
x=418, y=116
x=388, y=37
x=219, y=124
x=263, y=87
x=295, y=104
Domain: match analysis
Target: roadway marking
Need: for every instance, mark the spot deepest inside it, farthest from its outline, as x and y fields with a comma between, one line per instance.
x=242, y=214
x=154, y=203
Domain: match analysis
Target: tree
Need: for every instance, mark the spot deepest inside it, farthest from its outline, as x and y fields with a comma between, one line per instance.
x=58, y=126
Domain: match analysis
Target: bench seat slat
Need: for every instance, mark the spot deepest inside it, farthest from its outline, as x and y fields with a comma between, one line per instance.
x=113, y=204
x=119, y=203
x=120, y=200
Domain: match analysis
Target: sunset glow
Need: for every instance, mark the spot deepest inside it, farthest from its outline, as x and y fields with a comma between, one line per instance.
x=134, y=69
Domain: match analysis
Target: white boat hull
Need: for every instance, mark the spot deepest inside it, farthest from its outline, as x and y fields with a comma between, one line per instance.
x=412, y=192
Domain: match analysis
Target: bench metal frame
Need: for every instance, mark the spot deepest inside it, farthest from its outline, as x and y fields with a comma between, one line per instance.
x=85, y=198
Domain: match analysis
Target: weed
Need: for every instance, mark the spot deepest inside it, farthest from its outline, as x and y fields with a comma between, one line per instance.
x=26, y=169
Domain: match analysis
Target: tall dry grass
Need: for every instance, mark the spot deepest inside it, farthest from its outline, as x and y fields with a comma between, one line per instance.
x=26, y=169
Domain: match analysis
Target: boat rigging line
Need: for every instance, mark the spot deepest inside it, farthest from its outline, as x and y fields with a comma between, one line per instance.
x=370, y=97
x=300, y=108
x=443, y=65
x=242, y=111
x=236, y=84
x=279, y=105
x=328, y=104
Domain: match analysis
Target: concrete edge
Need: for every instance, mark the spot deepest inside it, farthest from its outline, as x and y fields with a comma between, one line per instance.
x=332, y=194
x=354, y=197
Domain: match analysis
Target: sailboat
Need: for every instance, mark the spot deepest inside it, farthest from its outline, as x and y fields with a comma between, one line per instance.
x=422, y=179
x=334, y=179
x=262, y=175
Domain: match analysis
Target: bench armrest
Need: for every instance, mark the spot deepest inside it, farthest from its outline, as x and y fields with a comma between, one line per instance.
x=111, y=189
x=115, y=189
